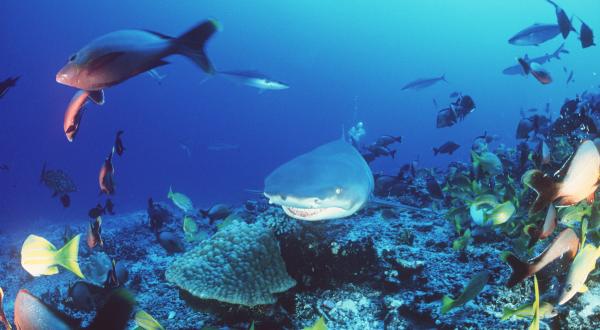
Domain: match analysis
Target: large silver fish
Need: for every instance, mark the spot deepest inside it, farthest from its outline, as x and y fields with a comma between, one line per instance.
x=255, y=79
x=120, y=55
x=424, y=82
x=535, y=34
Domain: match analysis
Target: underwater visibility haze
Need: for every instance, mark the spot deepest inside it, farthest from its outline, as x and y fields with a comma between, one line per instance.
x=299, y=165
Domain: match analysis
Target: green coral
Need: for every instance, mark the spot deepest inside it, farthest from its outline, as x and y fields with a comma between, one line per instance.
x=241, y=264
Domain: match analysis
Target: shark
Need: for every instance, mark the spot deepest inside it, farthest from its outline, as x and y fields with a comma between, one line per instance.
x=331, y=181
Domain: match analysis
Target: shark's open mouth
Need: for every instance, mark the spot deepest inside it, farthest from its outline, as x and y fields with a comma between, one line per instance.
x=302, y=212
x=313, y=213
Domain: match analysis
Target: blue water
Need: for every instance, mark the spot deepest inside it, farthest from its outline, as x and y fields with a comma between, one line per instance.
x=345, y=61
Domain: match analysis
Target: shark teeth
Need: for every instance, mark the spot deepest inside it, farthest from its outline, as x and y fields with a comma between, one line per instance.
x=301, y=212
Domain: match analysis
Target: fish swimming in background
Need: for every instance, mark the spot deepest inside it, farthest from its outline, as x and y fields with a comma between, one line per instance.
x=580, y=180
x=255, y=79
x=40, y=257
x=105, y=177
x=535, y=34
x=463, y=106
x=472, y=289
x=386, y=140
x=329, y=182
x=487, y=162
x=586, y=35
x=181, y=201
x=119, y=148
x=94, y=236
x=446, y=118
x=33, y=314
x=433, y=188
x=518, y=69
x=76, y=108
x=446, y=148
x=564, y=23
x=3, y=318
x=60, y=183
x=424, y=83
x=7, y=84
x=565, y=245
x=216, y=212
x=536, y=70
x=120, y=55
x=112, y=279
x=582, y=266
x=147, y=322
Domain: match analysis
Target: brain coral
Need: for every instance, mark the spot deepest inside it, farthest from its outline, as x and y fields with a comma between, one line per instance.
x=240, y=264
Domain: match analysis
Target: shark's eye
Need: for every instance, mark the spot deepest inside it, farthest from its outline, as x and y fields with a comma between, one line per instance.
x=338, y=191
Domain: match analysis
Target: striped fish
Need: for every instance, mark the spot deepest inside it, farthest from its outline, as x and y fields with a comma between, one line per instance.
x=40, y=257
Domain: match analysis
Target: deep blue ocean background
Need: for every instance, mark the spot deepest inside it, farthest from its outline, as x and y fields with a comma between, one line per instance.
x=345, y=61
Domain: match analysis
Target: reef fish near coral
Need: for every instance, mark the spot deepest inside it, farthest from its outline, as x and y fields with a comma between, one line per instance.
x=475, y=285
x=40, y=257
x=582, y=266
x=181, y=201
x=330, y=182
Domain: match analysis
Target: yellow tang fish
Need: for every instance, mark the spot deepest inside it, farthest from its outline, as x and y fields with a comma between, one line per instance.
x=40, y=257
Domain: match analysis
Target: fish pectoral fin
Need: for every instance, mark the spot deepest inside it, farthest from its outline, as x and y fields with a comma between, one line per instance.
x=101, y=61
x=97, y=97
x=583, y=289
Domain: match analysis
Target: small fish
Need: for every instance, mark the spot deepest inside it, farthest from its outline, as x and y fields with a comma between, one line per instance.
x=586, y=35
x=33, y=314
x=147, y=322
x=3, y=318
x=112, y=279
x=500, y=214
x=119, y=144
x=547, y=311
x=473, y=288
x=190, y=229
x=75, y=110
x=541, y=155
x=65, y=200
x=570, y=77
x=463, y=106
x=565, y=245
x=40, y=257
x=487, y=162
x=255, y=79
x=120, y=55
x=580, y=180
x=582, y=266
x=536, y=70
x=535, y=34
x=7, y=84
x=446, y=118
x=181, y=201
x=424, y=83
x=109, y=206
x=216, y=212
x=97, y=211
x=446, y=148
x=386, y=140
x=105, y=177
x=433, y=187
x=564, y=23
x=94, y=236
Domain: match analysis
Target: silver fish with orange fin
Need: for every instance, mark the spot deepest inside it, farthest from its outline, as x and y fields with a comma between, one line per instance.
x=580, y=180
x=564, y=245
x=120, y=55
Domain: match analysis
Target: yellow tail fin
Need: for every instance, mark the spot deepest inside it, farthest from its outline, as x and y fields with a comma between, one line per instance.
x=507, y=313
x=68, y=255
x=447, y=304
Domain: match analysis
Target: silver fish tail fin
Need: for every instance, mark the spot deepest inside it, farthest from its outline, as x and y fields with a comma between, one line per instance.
x=191, y=44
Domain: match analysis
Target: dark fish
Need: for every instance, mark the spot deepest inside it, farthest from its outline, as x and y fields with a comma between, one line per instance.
x=541, y=155
x=564, y=23
x=94, y=237
x=381, y=151
x=523, y=149
x=535, y=35
x=109, y=206
x=33, y=314
x=586, y=35
x=446, y=148
x=65, y=200
x=112, y=280
x=463, y=106
x=424, y=83
x=536, y=70
x=105, y=177
x=518, y=69
x=7, y=84
x=368, y=156
x=446, y=118
x=386, y=140
x=95, y=212
x=564, y=245
x=59, y=182
x=216, y=212
x=570, y=78
x=120, y=55
x=569, y=107
x=119, y=144
x=487, y=138
x=433, y=187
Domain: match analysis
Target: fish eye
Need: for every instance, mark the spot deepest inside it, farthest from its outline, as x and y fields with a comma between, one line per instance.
x=72, y=57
